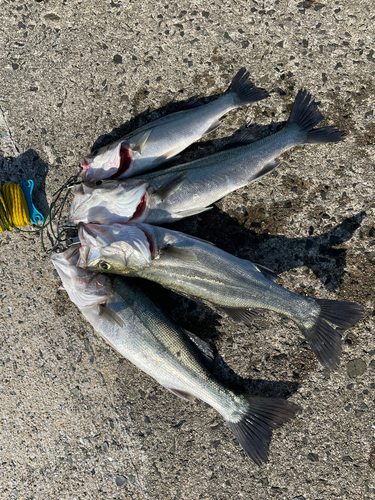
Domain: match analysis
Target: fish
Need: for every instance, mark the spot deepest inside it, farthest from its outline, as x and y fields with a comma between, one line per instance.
x=175, y=358
x=108, y=201
x=197, y=269
x=159, y=141
x=174, y=193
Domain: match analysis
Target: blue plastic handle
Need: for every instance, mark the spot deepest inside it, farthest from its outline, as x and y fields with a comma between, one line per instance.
x=34, y=214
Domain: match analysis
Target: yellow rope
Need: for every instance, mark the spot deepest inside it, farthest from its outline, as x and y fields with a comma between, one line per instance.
x=14, y=207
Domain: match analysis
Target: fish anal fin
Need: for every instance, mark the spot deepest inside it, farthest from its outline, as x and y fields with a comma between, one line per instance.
x=189, y=213
x=267, y=273
x=243, y=315
x=214, y=126
x=205, y=351
x=182, y=394
x=167, y=155
x=179, y=253
x=269, y=167
x=170, y=186
x=110, y=315
x=142, y=141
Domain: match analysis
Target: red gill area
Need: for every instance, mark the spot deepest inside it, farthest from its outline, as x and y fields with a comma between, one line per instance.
x=151, y=243
x=140, y=208
x=125, y=161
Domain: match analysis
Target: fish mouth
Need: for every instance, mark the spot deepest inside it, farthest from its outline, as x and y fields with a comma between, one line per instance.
x=61, y=265
x=86, y=235
x=77, y=207
x=91, y=241
x=83, y=257
x=85, y=165
x=64, y=262
x=67, y=258
x=90, y=174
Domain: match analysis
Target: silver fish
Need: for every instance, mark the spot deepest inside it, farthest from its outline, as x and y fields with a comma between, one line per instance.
x=108, y=201
x=198, y=269
x=159, y=141
x=169, y=354
x=171, y=194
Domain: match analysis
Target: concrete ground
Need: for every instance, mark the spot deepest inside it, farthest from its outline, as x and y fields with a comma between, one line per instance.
x=76, y=420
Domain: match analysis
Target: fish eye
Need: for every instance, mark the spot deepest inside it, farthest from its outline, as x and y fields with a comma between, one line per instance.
x=104, y=265
x=94, y=153
x=97, y=183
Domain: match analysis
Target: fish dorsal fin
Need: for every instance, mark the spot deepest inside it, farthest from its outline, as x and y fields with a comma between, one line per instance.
x=243, y=315
x=190, y=105
x=179, y=253
x=204, y=350
x=189, y=213
x=244, y=138
x=182, y=394
x=170, y=186
x=214, y=126
x=167, y=155
x=267, y=273
x=111, y=316
x=142, y=141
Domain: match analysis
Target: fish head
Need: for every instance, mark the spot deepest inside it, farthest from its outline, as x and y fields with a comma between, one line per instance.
x=109, y=201
x=85, y=288
x=119, y=249
x=109, y=161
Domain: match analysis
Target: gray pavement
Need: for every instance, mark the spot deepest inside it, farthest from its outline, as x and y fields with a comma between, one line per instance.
x=76, y=420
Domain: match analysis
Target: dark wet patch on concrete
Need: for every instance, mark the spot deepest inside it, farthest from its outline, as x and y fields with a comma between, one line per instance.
x=139, y=97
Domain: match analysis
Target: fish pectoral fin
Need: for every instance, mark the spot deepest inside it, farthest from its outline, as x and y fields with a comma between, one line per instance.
x=267, y=273
x=142, y=142
x=189, y=213
x=110, y=315
x=179, y=253
x=205, y=351
x=182, y=394
x=170, y=186
x=214, y=126
x=244, y=315
x=167, y=155
x=266, y=170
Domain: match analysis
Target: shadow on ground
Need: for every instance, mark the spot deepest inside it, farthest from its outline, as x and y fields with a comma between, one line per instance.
x=27, y=166
x=322, y=253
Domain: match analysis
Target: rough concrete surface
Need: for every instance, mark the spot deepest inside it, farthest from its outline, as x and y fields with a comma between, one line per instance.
x=76, y=420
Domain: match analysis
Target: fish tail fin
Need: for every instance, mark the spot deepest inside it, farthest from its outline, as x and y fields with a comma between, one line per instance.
x=244, y=90
x=324, y=340
x=306, y=115
x=255, y=420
